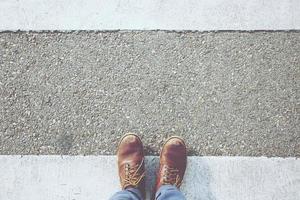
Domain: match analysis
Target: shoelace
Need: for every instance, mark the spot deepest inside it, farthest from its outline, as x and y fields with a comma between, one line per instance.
x=171, y=176
x=132, y=175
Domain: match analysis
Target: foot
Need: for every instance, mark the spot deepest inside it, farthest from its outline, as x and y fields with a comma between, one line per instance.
x=173, y=160
x=131, y=163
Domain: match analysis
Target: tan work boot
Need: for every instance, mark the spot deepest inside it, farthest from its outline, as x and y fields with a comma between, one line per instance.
x=131, y=163
x=173, y=161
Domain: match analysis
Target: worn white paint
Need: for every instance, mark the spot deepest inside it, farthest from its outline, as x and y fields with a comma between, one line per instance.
x=95, y=178
x=149, y=14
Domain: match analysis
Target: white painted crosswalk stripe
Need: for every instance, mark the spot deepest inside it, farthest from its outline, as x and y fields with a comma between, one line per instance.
x=150, y=14
x=95, y=177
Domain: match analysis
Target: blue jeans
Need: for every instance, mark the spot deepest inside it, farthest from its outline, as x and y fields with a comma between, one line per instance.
x=165, y=192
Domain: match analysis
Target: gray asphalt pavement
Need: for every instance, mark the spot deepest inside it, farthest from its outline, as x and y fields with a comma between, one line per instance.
x=226, y=93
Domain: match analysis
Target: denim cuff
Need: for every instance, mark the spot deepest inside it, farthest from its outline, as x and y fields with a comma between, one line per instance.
x=135, y=192
x=164, y=188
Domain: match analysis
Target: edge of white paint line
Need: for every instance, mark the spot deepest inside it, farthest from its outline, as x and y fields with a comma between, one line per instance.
x=201, y=15
x=96, y=178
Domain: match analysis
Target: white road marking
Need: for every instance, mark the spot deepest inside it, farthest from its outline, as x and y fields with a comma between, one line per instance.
x=200, y=15
x=96, y=178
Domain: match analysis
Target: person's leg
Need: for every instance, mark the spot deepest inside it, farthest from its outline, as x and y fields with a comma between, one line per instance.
x=172, y=165
x=127, y=194
x=169, y=192
x=131, y=168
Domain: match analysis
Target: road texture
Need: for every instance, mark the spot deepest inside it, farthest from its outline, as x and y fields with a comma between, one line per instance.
x=226, y=93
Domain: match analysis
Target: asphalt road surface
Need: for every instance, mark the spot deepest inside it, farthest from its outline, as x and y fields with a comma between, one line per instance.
x=226, y=93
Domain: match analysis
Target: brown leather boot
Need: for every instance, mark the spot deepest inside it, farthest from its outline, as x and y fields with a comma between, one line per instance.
x=173, y=160
x=131, y=162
